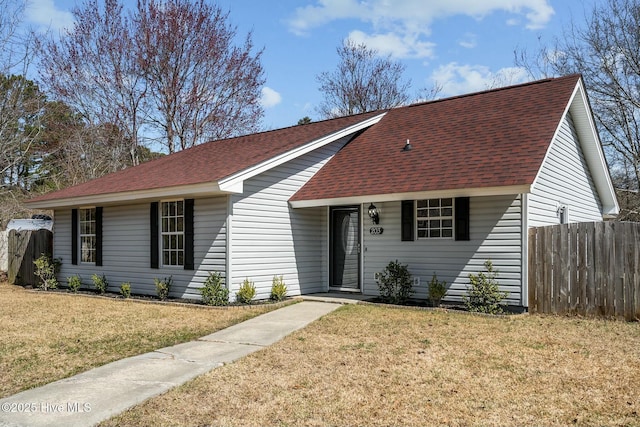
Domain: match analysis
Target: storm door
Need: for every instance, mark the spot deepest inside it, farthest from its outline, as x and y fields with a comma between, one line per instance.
x=344, y=252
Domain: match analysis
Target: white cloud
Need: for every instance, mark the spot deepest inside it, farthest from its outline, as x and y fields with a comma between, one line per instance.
x=408, y=22
x=395, y=45
x=455, y=79
x=45, y=15
x=468, y=41
x=270, y=98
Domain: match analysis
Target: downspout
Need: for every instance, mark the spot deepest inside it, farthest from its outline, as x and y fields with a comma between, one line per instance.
x=229, y=244
x=524, y=298
x=327, y=268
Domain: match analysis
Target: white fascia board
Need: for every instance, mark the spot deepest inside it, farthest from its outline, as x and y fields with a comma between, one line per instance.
x=594, y=153
x=591, y=148
x=394, y=197
x=234, y=182
x=182, y=191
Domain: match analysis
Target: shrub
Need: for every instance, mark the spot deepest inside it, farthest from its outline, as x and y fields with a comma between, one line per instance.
x=125, y=290
x=278, y=289
x=163, y=287
x=246, y=292
x=484, y=295
x=46, y=270
x=395, y=284
x=100, y=283
x=74, y=283
x=214, y=292
x=437, y=290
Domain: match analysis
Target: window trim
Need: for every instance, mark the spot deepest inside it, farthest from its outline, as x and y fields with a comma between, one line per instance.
x=81, y=235
x=162, y=234
x=440, y=218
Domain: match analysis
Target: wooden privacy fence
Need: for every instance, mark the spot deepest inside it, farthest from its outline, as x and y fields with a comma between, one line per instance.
x=590, y=269
x=24, y=247
x=4, y=259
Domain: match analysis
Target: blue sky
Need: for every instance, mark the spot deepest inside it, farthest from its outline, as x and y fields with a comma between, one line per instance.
x=462, y=45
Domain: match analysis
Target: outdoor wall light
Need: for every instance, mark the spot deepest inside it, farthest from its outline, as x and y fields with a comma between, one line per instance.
x=374, y=214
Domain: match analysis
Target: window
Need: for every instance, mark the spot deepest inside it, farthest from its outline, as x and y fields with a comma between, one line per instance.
x=435, y=218
x=87, y=224
x=172, y=232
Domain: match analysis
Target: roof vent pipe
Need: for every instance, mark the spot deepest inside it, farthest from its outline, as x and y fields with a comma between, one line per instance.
x=407, y=146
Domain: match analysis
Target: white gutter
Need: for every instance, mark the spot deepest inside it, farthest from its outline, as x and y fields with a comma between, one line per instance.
x=464, y=192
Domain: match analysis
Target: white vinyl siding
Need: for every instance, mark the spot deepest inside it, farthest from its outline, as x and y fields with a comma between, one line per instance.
x=270, y=238
x=495, y=233
x=126, y=248
x=564, y=181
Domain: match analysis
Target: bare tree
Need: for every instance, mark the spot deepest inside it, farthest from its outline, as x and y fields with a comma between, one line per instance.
x=13, y=42
x=167, y=71
x=362, y=82
x=20, y=111
x=21, y=104
x=201, y=85
x=605, y=50
x=92, y=69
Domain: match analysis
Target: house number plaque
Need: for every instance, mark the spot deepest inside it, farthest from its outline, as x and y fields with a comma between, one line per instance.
x=376, y=230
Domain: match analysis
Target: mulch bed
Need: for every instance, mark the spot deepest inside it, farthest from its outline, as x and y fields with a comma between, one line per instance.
x=155, y=300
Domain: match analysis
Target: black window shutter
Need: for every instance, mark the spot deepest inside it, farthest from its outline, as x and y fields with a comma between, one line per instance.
x=408, y=220
x=98, y=236
x=74, y=236
x=153, y=224
x=188, y=234
x=462, y=218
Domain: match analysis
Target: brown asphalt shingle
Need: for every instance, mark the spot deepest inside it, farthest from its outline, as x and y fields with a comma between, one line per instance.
x=209, y=162
x=488, y=139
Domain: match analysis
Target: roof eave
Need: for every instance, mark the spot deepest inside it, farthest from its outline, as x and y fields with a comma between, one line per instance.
x=235, y=181
x=582, y=115
x=393, y=197
x=181, y=191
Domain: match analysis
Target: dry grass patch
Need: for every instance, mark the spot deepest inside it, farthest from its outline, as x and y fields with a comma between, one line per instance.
x=365, y=365
x=48, y=336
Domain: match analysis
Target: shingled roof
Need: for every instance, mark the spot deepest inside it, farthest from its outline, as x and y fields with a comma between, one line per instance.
x=491, y=142
x=494, y=140
x=204, y=164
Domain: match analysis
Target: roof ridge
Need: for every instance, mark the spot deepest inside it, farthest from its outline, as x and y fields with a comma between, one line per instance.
x=496, y=89
x=289, y=127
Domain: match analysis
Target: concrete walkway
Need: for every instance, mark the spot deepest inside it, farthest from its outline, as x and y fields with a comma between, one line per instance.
x=96, y=395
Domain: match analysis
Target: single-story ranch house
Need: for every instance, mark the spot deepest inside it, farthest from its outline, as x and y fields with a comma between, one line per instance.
x=441, y=186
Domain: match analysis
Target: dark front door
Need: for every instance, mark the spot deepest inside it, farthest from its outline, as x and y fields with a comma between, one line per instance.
x=344, y=252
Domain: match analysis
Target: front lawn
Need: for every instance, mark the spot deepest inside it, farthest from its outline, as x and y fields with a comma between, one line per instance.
x=369, y=365
x=48, y=336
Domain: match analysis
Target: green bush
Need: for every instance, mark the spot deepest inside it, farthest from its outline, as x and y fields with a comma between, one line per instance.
x=437, y=290
x=214, y=292
x=100, y=283
x=125, y=290
x=484, y=295
x=74, y=283
x=395, y=283
x=46, y=270
x=278, y=289
x=246, y=292
x=163, y=287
